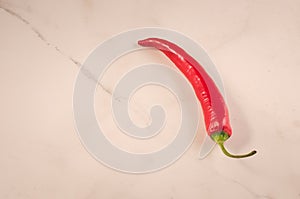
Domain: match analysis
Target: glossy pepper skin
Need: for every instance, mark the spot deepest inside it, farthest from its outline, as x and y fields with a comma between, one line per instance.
x=214, y=108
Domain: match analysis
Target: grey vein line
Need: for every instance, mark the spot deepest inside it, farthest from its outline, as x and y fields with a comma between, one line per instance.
x=251, y=192
x=86, y=72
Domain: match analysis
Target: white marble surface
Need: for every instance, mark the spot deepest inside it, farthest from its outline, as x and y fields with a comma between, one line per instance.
x=255, y=45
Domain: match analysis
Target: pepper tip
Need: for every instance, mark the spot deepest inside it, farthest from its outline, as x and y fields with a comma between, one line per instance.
x=144, y=42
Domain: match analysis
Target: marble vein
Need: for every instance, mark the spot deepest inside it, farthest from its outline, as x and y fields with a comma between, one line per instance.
x=85, y=71
x=251, y=192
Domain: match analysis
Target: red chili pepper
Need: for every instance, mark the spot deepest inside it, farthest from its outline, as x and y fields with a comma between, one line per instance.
x=213, y=104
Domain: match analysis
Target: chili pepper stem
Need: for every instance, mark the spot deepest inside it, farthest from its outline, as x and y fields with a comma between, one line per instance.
x=220, y=138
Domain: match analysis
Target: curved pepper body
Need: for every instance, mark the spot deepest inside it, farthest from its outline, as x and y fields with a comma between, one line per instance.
x=214, y=108
x=212, y=102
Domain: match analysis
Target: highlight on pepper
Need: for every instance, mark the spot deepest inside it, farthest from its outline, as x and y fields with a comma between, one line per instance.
x=214, y=108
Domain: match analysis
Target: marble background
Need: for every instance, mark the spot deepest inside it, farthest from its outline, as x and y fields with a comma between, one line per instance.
x=255, y=45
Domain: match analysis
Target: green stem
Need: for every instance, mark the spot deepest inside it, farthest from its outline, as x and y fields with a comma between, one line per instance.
x=220, y=138
x=235, y=156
